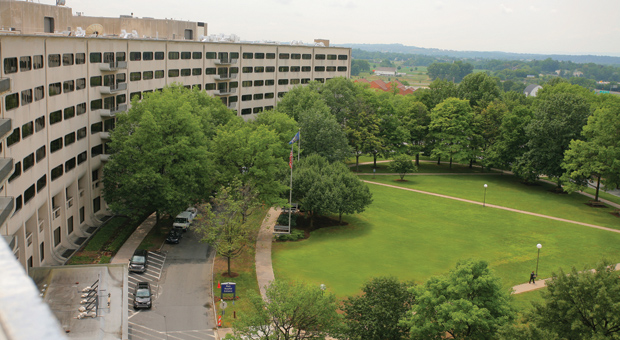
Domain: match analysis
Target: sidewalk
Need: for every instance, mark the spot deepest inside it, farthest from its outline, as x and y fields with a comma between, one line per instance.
x=124, y=254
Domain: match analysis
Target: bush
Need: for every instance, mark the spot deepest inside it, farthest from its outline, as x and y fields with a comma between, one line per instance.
x=283, y=220
x=295, y=235
x=105, y=233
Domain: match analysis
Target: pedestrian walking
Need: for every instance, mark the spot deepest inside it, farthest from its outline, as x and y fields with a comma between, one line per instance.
x=533, y=278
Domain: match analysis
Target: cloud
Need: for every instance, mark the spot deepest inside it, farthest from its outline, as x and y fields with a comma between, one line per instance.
x=534, y=9
x=439, y=4
x=505, y=9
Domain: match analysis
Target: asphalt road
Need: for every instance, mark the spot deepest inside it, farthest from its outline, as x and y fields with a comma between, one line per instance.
x=182, y=301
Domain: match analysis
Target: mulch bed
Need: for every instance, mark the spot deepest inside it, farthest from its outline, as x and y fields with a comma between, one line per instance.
x=319, y=222
x=596, y=204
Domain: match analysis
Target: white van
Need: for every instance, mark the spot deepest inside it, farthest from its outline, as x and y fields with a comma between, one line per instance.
x=182, y=221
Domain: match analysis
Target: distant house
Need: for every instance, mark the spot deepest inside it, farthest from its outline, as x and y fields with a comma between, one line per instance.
x=531, y=90
x=577, y=74
x=385, y=71
x=381, y=85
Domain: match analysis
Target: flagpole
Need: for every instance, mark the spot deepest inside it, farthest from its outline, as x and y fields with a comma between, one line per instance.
x=298, y=143
x=290, y=197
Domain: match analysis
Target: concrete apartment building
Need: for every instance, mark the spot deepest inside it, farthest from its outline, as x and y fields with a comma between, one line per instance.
x=63, y=79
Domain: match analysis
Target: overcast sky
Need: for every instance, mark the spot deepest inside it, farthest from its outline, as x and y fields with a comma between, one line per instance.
x=525, y=26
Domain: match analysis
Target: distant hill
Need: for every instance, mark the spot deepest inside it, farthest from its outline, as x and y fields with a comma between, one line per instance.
x=400, y=48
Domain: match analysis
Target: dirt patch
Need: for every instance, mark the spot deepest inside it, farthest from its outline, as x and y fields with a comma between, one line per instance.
x=595, y=204
x=232, y=274
x=616, y=213
x=303, y=223
x=401, y=180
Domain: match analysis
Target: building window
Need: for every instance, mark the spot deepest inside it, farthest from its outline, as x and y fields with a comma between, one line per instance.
x=196, y=55
x=210, y=70
x=282, y=81
x=246, y=111
x=53, y=60
x=37, y=62
x=173, y=73
x=39, y=124
x=305, y=80
x=135, y=56
x=70, y=164
x=234, y=70
x=283, y=69
x=25, y=63
x=18, y=203
x=186, y=55
x=209, y=86
x=26, y=97
x=319, y=68
x=55, y=117
x=248, y=55
x=137, y=95
x=342, y=69
x=270, y=56
x=134, y=76
x=246, y=97
x=13, y=138
x=233, y=85
x=186, y=72
x=306, y=69
x=294, y=81
x=29, y=194
x=284, y=56
x=80, y=84
x=332, y=57
x=330, y=68
x=28, y=162
x=82, y=215
x=27, y=130
x=281, y=94
x=69, y=138
x=147, y=75
x=11, y=101
x=210, y=55
x=96, y=204
x=270, y=82
x=258, y=110
x=80, y=108
x=121, y=99
x=259, y=55
x=95, y=57
x=70, y=225
x=56, y=145
x=320, y=80
x=306, y=56
x=258, y=96
x=96, y=150
x=319, y=56
x=82, y=157
x=17, y=171
x=81, y=133
x=39, y=93
x=68, y=86
x=267, y=108
x=96, y=104
x=196, y=71
x=108, y=57
x=189, y=35
x=173, y=55
x=343, y=57
x=246, y=83
x=295, y=56
x=56, y=237
x=41, y=183
x=269, y=95
x=258, y=83
x=295, y=68
x=80, y=58
x=247, y=69
x=96, y=127
x=40, y=153
x=42, y=251
x=95, y=81
x=67, y=59
x=56, y=172
x=270, y=69
x=259, y=69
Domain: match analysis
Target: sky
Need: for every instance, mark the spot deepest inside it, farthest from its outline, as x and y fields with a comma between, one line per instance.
x=544, y=26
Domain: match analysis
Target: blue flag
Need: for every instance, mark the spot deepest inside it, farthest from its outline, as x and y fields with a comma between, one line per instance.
x=296, y=138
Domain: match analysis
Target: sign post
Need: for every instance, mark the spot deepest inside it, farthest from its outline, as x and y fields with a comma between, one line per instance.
x=229, y=288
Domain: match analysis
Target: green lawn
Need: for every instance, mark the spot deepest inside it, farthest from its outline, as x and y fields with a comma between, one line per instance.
x=415, y=236
x=508, y=191
x=425, y=167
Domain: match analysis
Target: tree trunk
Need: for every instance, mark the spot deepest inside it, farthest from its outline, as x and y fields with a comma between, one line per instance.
x=439, y=160
x=598, y=185
x=340, y=218
x=357, y=161
x=417, y=159
x=471, y=163
x=374, y=156
x=229, y=273
x=450, y=162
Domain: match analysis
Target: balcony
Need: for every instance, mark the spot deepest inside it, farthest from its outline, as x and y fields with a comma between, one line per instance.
x=105, y=135
x=223, y=77
x=113, y=88
x=5, y=85
x=6, y=168
x=56, y=213
x=5, y=127
x=105, y=157
x=226, y=61
x=108, y=113
x=114, y=66
x=69, y=203
x=6, y=208
x=28, y=239
x=232, y=106
x=225, y=92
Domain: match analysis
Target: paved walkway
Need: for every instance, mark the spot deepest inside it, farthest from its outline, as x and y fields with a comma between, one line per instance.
x=129, y=247
x=264, y=268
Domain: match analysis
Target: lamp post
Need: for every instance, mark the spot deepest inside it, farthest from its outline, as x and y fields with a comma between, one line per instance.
x=538, y=258
x=484, y=201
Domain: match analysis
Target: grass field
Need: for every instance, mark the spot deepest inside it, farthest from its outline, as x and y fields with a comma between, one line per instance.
x=415, y=236
x=425, y=167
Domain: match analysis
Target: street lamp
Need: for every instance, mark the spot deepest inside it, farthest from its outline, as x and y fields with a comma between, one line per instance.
x=484, y=201
x=538, y=258
x=323, y=287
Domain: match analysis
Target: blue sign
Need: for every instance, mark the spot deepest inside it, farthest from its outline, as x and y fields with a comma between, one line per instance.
x=229, y=287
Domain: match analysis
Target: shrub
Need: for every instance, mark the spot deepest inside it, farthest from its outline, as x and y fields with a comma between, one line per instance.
x=105, y=233
x=283, y=220
x=295, y=235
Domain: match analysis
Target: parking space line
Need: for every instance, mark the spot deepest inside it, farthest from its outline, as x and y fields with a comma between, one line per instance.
x=153, y=258
x=147, y=274
x=133, y=328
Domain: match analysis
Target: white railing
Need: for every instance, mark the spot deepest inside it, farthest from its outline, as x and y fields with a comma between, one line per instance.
x=28, y=239
x=56, y=213
x=41, y=225
x=81, y=193
x=69, y=202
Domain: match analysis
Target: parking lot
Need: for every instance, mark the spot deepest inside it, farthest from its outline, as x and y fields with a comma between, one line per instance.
x=151, y=275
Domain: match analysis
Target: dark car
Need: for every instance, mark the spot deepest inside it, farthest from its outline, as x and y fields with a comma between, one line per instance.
x=138, y=261
x=142, y=296
x=174, y=236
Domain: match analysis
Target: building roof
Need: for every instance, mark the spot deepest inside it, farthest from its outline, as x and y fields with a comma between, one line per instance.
x=531, y=90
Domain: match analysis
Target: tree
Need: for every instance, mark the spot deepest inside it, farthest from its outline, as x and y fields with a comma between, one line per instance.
x=402, y=164
x=510, y=142
x=386, y=63
x=352, y=195
x=488, y=124
x=467, y=303
x=558, y=118
x=291, y=310
x=581, y=305
x=438, y=91
x=222, y=224
x=480, y=89
x=253, y=154
x=358, y=66
x=598, y=155
x=449, y=71
x=363, y=128
x=322, y=135
x=415, y=118
x=282, y=124
x=301, y=98
x=375, y=314
x=451, y=129
x=160, y=159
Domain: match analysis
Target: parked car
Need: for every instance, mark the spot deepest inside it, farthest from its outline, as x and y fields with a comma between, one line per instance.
x=182, y=221
x=174, y=236
x=138, y=261
x=142, y=296
x=192, y=211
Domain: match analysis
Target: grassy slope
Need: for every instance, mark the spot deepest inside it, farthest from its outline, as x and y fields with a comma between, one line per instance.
x=415, y=236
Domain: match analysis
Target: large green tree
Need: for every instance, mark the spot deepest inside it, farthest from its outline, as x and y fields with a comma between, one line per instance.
x=451, y=129
x=480, y=89
x=467, y=303
x=375, y=314
x=321, y=134
x=415, y=118
x=352, y=195
x=291, y=310
x=362, y=128
x=160, y=152
x=402, y=165
x=510, y=141
x=581, y=304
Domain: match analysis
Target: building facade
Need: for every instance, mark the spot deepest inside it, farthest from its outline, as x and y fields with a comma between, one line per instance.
x=60, y=93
